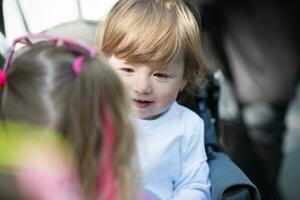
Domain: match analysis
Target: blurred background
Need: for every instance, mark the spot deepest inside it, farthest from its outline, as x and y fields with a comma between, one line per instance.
x=290, y=172
x=253, y=46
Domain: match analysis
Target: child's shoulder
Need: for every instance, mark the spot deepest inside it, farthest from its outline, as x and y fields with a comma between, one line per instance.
x=185, y=114
x=188, y=123
x=184, y=111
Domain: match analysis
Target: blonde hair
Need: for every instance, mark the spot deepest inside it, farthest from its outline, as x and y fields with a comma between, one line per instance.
x=42, y=89
x=155, y=32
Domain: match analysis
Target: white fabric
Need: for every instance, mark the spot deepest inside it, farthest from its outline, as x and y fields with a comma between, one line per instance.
x=44, y=14
x=172, y=156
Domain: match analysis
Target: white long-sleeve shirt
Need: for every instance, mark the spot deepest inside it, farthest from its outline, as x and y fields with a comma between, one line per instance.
x=172, y=156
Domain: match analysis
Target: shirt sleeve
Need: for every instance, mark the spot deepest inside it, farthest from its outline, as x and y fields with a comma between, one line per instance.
x=193, y=182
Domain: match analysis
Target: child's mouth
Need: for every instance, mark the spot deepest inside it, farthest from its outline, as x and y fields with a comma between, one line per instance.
x=142, y=103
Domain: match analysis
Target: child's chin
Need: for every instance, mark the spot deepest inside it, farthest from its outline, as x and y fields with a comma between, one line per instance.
x=147, y=117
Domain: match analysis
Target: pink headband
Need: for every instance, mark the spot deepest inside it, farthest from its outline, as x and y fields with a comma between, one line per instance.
x=69, y=44
x=76, y=69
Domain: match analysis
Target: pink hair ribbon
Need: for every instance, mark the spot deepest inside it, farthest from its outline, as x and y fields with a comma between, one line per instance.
x=2, y=78
x=106, y=184
x=77, y=64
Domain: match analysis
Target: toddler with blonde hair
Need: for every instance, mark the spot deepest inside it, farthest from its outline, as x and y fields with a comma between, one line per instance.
x=154, y=45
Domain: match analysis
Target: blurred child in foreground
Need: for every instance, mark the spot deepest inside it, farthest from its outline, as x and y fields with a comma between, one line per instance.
x=63, y=85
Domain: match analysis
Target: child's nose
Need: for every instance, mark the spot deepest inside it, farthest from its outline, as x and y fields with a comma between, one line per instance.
x=143, y=86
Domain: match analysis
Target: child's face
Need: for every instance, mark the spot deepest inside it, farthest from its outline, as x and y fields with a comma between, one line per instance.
x=151, y=88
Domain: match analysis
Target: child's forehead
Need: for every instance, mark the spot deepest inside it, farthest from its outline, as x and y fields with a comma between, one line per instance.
x=154, y=66
x=178, y=60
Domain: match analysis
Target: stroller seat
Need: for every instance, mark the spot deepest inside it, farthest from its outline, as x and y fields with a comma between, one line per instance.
x=228, y=181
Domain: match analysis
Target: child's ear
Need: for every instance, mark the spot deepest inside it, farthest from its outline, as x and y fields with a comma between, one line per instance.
x=183, y=84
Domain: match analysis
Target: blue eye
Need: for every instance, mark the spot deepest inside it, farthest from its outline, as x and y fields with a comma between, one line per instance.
x=161, y=75
x=127, y=70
